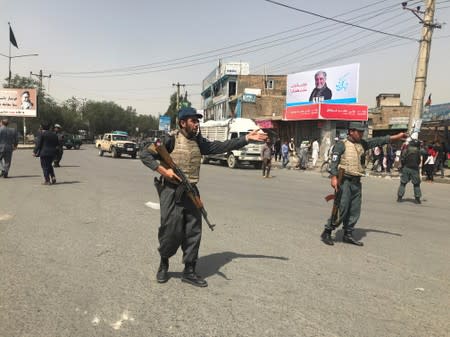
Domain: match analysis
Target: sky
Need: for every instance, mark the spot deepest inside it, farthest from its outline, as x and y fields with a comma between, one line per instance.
x=133, y=52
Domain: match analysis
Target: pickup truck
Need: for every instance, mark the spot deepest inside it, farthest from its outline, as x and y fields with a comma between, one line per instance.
x=117, y=143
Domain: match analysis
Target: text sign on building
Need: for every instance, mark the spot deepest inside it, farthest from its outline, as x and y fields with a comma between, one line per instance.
x=438, y=112
x=344, y=112
x=18, y=102
x=249, y=98
x=337, y=85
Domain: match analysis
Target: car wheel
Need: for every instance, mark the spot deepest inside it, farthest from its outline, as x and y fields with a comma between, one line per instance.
x=77, y=146
x=232, y=161
x=133, y=156
x=68, y=147
x=114, y=153
x=100, y=152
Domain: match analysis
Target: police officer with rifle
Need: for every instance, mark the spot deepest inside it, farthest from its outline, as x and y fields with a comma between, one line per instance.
x=349, y=156
x=181, y=214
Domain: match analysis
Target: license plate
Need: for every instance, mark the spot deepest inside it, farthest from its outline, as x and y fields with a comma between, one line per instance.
x=130, y=149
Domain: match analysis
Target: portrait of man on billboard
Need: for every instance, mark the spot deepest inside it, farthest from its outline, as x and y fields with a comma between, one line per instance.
x=26, y=101
x=321, y=92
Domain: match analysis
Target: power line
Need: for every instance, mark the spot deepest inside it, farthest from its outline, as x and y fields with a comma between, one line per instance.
x=340, y=21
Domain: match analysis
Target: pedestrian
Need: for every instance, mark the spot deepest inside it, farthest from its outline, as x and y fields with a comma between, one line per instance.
x=181, y=221
x=266, y=155
x=348, y=155
x=277, y=149
x=440, y=158
x=429, y=163
x=8, y=143
x=45, y=149
x=410, y=159
x=291, y=147
x=315, y=152
x=60, y=148
x=285, y=154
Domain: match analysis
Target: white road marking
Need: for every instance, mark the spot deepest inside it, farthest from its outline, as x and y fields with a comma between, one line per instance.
x=152, y=205
x=4, y=217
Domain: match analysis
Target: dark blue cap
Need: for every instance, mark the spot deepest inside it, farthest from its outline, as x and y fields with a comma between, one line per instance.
x=187, y=112
x=360, y=126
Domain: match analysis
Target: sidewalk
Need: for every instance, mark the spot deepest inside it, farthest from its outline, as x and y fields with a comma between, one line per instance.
x=393, y=175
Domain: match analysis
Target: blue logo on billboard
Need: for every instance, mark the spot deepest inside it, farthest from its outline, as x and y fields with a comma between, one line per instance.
x=249, y=98
x=342, y=84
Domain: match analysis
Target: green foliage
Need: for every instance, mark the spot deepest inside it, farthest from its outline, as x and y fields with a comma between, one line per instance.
x=172, y=110
x=75, y=114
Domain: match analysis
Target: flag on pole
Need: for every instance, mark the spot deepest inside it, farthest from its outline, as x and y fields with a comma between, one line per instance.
x=428, y=102
x=12, y=38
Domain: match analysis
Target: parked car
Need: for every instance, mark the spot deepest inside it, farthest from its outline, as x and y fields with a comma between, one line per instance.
x=72, y=141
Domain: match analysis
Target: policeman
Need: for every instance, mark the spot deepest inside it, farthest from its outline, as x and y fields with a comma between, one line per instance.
x=349, y=155
x=60, y=148
x=181, y=222
x=411, y=161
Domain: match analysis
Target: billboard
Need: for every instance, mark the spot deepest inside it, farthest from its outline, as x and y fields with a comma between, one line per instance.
x=324, y=111
x=18, y=102
x=164, y=123
x=335, y=85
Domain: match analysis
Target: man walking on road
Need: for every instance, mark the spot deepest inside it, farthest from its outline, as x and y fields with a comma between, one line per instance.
x=348, y=155
x=266, y=155
x=8, y=143
x=181, y=221
x=410, y=159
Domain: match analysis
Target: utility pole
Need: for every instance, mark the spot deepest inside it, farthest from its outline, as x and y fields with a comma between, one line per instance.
x=422, y=61
x=40, y=76
x=178, y=85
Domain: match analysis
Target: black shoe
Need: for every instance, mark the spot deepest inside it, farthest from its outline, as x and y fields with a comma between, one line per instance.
x=189, y=276
x=417, y=201
x=53, y=180
x=399, y=199
x=326, y=237
x=162, y=276
x=348, y=238
x=5, y=174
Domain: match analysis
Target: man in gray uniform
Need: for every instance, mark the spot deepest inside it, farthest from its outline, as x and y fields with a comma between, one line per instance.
x=411, y=161
x=349, y=155
x=8, y=143
x=181, y=221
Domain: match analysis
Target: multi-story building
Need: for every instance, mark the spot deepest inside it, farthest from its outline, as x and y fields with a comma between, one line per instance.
x=230, y=91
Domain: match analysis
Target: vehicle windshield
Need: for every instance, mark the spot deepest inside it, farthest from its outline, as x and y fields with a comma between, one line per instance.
x=119, y=137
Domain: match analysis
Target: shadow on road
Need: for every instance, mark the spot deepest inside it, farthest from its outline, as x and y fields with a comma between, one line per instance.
x=211, y=264
x=360, y=233
x=24, y=176
x=67, y=182
x=68, y=166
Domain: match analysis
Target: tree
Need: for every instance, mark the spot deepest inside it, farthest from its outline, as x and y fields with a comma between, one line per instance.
x=172, y=110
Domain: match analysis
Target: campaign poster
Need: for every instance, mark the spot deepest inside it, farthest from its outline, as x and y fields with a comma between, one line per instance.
x=18, y=102
x=164, y=123
x=335, y=85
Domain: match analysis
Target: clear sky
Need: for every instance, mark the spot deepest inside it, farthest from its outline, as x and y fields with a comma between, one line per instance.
x=80, y=42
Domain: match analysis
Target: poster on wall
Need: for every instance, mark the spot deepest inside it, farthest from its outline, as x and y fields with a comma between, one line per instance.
x=335, y=85
x=164, y=123
x=18, y=102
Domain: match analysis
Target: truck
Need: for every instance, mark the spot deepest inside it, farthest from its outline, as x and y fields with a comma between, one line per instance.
x=117, y=143
x=229, y=129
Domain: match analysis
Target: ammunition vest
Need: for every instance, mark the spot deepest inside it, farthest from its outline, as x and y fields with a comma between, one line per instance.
x=186, y=154
x=411, y=158
x=351, y=159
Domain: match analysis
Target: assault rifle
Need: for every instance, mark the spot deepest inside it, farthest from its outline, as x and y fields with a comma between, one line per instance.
x=335, y=216
x=191, y=191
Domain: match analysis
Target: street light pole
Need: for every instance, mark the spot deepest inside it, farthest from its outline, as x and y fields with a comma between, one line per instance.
x=13, y=57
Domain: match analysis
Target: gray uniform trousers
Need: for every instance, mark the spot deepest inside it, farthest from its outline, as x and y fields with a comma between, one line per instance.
x=350, y=205
x=5, y=160
x=181, y=225
x=409, y=174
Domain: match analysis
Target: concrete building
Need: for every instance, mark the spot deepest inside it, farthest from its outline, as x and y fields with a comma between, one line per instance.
x=230, y=91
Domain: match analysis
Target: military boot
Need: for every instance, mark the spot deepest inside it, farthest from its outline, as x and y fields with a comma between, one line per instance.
x=348, y=238
x=189, y=276
x=326, y=237
x=417, y=200
x=162, y=276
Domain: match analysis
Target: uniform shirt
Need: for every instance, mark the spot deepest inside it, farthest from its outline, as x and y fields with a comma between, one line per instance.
x=339, y=149
x=150, y=159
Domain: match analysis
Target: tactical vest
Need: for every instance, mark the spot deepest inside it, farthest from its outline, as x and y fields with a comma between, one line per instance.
x=351, y=159
x=186, y=154
x=411, y=158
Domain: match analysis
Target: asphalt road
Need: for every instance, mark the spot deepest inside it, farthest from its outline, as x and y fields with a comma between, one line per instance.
x=79, y=258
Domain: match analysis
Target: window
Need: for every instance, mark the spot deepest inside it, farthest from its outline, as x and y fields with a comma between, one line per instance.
x=231, y=88
x=270, y=84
